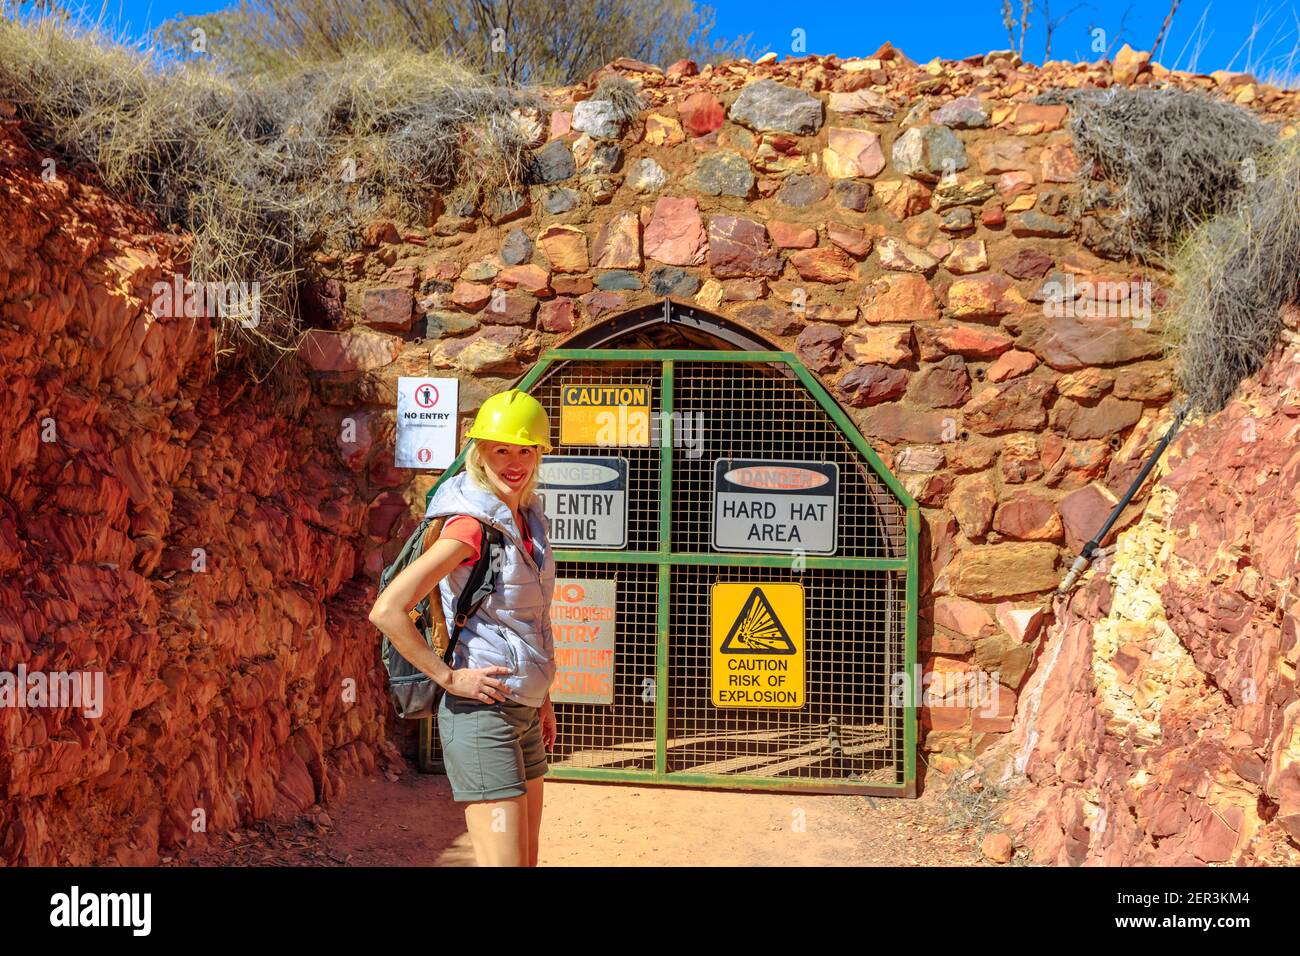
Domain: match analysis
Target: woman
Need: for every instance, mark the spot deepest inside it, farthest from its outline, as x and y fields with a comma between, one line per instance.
x=495, y=721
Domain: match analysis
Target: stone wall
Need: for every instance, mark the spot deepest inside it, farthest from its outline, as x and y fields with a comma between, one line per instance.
x=224, y=669
x=898, y=226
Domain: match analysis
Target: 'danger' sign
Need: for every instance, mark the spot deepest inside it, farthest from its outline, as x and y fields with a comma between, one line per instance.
x=775, y=506
x=426, y=422
x=582, y=621
x=586, y=500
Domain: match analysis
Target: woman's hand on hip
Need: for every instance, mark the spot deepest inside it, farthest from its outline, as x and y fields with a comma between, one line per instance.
x=478, y=683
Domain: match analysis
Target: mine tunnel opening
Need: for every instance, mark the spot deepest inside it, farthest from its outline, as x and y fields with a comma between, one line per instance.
x=820, y=706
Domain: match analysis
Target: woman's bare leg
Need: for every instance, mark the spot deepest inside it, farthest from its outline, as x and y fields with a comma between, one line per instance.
x=499, y=830
x=534, y=798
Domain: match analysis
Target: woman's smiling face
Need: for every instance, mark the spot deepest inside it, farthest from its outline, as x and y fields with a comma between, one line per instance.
x=510, y=466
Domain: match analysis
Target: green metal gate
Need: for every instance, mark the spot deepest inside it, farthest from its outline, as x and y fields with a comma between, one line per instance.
x=856, y=730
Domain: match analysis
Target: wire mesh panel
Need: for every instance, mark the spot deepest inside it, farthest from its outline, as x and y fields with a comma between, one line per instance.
x=619, y=735
x=761, y=411
x=643, y=462
x=846, y=731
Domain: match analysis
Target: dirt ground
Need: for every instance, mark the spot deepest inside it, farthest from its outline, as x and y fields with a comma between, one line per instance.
x=410, y=820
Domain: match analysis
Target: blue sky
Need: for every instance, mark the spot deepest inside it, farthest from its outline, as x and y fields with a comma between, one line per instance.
x=1210, y=34
x=1211, y=31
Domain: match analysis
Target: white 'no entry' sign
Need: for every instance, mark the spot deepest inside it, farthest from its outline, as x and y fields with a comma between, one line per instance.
x=426, y=422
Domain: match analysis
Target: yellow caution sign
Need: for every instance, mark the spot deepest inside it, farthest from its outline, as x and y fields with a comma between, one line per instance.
x=758, y=645
x=608, y=416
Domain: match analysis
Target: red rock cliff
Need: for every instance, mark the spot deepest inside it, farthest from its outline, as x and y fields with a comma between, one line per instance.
x=185, y=535
x=1162, y=724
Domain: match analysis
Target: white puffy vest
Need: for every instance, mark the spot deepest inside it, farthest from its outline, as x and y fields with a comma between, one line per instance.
x=512, y=627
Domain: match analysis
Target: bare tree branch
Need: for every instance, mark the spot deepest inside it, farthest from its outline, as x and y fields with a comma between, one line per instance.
x=1164, y=27
x=1009, y=21
x=1123, y=27
x=1051, y=25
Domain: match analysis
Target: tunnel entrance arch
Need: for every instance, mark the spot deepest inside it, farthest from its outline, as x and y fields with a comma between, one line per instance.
x=721, y=398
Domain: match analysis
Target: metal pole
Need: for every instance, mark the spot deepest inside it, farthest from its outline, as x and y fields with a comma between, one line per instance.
x=1092, y=548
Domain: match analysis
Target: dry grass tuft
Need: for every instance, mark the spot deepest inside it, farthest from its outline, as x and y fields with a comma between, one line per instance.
x=1205, y=188
x=1166, y=159
x=1235, y=274
x=264, y=171
x=622, y=95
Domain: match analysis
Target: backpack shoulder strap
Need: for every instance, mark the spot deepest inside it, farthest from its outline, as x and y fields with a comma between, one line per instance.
x=481, y=583
x=432, y=531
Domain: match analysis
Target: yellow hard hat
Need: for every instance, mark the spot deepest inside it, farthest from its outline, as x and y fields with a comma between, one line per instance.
x=513, y=416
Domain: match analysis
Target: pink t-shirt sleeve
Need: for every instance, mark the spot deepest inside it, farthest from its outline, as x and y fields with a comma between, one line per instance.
x=466, y=529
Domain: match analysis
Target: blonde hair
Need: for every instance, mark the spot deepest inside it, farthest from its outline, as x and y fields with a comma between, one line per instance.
x=477, y=469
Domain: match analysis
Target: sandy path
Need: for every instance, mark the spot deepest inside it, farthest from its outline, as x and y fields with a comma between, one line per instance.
x=412, y=820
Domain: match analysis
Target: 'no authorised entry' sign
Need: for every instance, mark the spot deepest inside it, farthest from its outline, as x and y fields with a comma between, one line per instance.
x=583, y=618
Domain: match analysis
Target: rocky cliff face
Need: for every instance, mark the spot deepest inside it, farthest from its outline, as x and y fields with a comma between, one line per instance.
x=1162, y=725
x=189, y=538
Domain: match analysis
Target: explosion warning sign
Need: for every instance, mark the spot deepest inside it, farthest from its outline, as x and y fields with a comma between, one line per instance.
x=758, y=645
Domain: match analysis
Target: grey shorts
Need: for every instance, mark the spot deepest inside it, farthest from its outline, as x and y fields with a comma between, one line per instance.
x=489, y=750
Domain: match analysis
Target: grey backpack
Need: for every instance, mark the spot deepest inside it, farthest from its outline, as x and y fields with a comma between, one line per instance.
x=412, y=692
